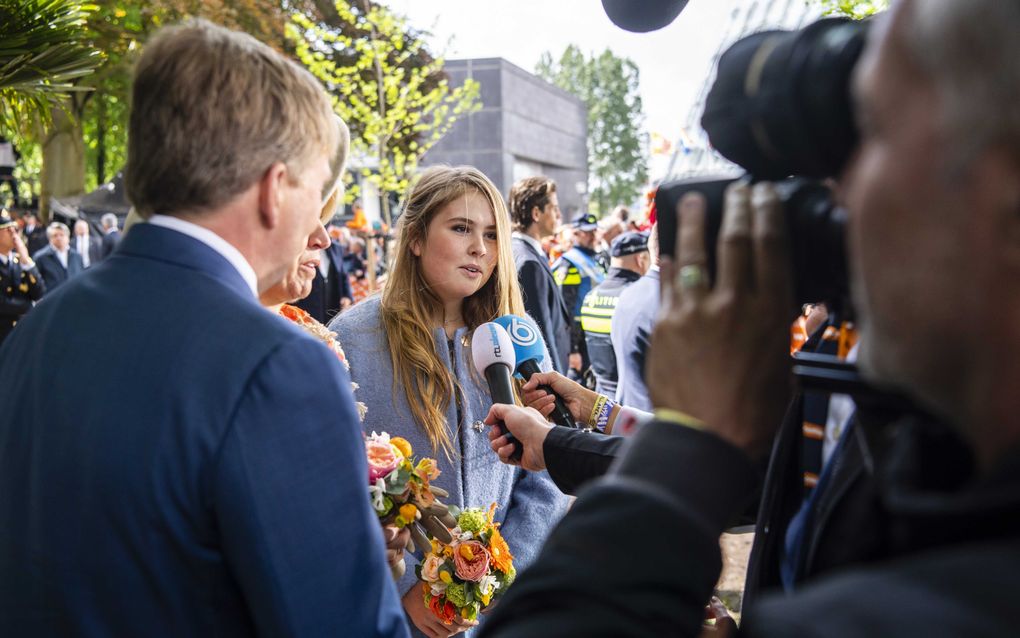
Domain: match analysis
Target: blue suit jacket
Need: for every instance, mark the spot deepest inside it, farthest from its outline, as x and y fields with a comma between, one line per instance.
x=206, y=477
x=543, y=301
x=631, y=332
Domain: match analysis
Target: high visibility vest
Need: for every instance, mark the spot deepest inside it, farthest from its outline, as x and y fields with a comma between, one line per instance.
x=596, y=320
x=577, y=269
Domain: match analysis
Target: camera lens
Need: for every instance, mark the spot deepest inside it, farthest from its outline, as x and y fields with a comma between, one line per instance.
x=781, y=105
x=815, y=227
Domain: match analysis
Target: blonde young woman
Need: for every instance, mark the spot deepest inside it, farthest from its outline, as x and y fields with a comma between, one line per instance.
x=409, y=351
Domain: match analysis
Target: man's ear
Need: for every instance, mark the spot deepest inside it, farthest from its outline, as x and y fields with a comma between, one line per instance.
x=271, y=194
x=536, y=212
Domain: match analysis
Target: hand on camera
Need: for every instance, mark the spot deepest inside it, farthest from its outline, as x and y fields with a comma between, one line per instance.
x=721, y=353
x=527, y=425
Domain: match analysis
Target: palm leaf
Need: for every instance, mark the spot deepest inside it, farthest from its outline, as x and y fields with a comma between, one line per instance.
x=41, y=55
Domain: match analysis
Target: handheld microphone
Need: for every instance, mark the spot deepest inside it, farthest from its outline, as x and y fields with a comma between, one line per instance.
x=529, y=349
x=493, y=355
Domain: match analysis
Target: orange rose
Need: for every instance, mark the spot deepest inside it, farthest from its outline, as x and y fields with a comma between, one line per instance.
x=471, y=561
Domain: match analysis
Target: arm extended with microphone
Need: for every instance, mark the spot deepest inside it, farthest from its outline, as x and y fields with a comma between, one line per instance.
x=493, y=356
x=529, y=350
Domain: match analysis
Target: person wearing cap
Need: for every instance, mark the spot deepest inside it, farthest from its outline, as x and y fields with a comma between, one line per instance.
x=630, y=260
x=20, y=281
x=576, y=272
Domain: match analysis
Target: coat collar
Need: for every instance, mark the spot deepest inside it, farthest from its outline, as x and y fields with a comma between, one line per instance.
x=148, y=241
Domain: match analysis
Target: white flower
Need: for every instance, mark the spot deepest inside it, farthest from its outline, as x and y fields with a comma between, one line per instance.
x=377, y=491
x=487, y=585
x=438, y=588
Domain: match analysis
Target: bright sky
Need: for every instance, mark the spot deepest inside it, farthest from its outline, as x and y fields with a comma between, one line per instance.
x=673, y=61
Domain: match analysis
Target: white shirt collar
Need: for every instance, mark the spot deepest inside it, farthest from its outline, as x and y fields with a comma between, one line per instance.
x=6, y=258
x=214, y=241
x=531, y=241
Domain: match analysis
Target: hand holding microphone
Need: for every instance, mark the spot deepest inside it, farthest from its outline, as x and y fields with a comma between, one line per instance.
x=493, y=355
x=529, y=350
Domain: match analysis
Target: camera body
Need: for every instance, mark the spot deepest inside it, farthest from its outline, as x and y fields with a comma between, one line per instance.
x=781, y=109
x=815, y=226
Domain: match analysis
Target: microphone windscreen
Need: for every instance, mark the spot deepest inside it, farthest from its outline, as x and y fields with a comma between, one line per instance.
x=641, y=16
x=526, y=337
x=491, y=344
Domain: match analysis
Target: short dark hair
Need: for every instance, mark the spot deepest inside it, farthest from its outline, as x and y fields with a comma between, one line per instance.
x=527, y=194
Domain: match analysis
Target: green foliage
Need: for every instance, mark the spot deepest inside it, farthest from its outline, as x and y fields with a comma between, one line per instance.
x=856, y=9
x=617, y=166
x=42, y=53
x=386, y=86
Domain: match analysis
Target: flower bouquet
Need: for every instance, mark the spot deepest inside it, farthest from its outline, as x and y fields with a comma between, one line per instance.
x=462, y=577
x=402, y=495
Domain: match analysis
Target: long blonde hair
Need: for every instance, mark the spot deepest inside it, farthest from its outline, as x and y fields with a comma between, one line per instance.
x=408, y=303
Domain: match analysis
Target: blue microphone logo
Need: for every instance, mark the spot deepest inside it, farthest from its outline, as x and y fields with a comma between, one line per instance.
x=522, y=333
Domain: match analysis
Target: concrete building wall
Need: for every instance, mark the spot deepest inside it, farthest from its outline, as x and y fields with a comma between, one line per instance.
x=526, y=126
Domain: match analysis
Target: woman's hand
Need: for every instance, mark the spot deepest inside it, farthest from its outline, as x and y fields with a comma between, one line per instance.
x=426, y=621
x=396, y=540
x=579, y=399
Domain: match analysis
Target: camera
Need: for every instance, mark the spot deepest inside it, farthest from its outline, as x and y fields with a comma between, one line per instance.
x=781, y=109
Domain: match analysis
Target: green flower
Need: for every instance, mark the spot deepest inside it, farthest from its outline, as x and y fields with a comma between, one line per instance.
x=471, y=520
x=472, y=611
x=506, y=579
x=455, y=594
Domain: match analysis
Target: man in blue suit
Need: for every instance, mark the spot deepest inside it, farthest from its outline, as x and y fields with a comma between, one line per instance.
x=58, y=262
x=535, y=213
x=208, y=477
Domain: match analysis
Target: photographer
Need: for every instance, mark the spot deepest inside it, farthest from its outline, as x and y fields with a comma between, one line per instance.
x=934, y=195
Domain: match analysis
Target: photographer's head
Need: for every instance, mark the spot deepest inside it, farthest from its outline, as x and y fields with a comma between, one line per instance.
x=934, y=194
x=229, y=134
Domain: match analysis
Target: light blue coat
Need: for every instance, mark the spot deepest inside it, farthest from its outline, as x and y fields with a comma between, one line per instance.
x=529, y=504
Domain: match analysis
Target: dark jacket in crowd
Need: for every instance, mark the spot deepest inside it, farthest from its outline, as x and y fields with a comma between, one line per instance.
x=19, y=287
x=323, y=303
x=957, y=548
x=543, y=301
x=35, y=239
x=110, y=241
x=95, y=248
x=53, y=271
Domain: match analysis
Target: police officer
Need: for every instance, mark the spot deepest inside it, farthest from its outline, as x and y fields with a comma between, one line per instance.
x=20, y=281
x=576, y=272
x=630, y=260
